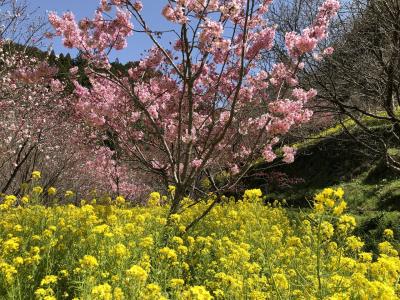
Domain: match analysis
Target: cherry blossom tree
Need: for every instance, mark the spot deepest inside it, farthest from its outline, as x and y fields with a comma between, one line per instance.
x=21, y=23
x=22, y=122
x=39, y=131
x=207, y=109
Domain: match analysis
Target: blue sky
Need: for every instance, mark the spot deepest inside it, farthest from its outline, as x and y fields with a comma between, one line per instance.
x=85, y=8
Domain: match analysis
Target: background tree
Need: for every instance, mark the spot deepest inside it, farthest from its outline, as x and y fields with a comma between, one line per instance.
x=359, y=83
x=38, y=129
x=21, y=23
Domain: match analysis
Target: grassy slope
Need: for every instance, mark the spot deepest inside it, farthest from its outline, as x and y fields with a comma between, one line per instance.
x=330, y=159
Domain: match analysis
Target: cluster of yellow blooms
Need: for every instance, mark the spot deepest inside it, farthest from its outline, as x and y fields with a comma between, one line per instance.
x=241, y=250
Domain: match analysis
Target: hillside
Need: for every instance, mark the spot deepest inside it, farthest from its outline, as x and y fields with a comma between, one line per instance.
x=331, y=158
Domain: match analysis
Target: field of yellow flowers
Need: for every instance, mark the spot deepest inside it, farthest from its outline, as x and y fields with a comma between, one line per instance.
x=242, y=250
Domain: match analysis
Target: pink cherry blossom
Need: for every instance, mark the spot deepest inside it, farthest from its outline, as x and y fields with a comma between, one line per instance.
x=196, y=163
x=328, y=51
x=268, y=154
x=288, y=154
x=306, y=42
x=138, y=5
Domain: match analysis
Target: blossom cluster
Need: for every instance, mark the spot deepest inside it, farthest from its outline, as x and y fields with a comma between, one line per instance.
x=98, y=33
x=307, y=41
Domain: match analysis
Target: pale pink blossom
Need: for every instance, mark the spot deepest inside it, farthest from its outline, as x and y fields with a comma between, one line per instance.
x=288, y=154
x=175, y=15
x=235, y=169
x=56, y=85
x=328, y=51
x=231, y=9
x=74, y=70
x=138, y=5
x=263, y=40
x=210, y=34
x=303, y=95
x=268, y=154
x=196, y=163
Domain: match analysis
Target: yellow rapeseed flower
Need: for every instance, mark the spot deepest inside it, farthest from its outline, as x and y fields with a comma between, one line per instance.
x=280, y=281
x=154, y=199
x=51, y=191
x=176, y=282
x=171, y=189
x=88, y=261
x=102, y=292
x=11, y=245
x=48, y=280
x=228, y=252
x=354, y=243
x=388, y=233
x=365, y=256
x=120, y=200
x=387, y=248
x=119, y=250
x=252, y=195
x=118, y=294
x=69, y=194
x=147, y=242
x=175, y=218
x=37, y=190
x=36, y=175
x=338, y=210
x=18, y=261
x=168, y=253
x=137, y=273
x=197, y=293
x=25, y=199
x=327, y=229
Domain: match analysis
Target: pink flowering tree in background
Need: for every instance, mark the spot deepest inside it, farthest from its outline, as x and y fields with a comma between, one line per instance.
x=21, y=25
x=207, y=107
x=120, y=178
x=26, y=115
x=39, y=131
x=38, y=128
